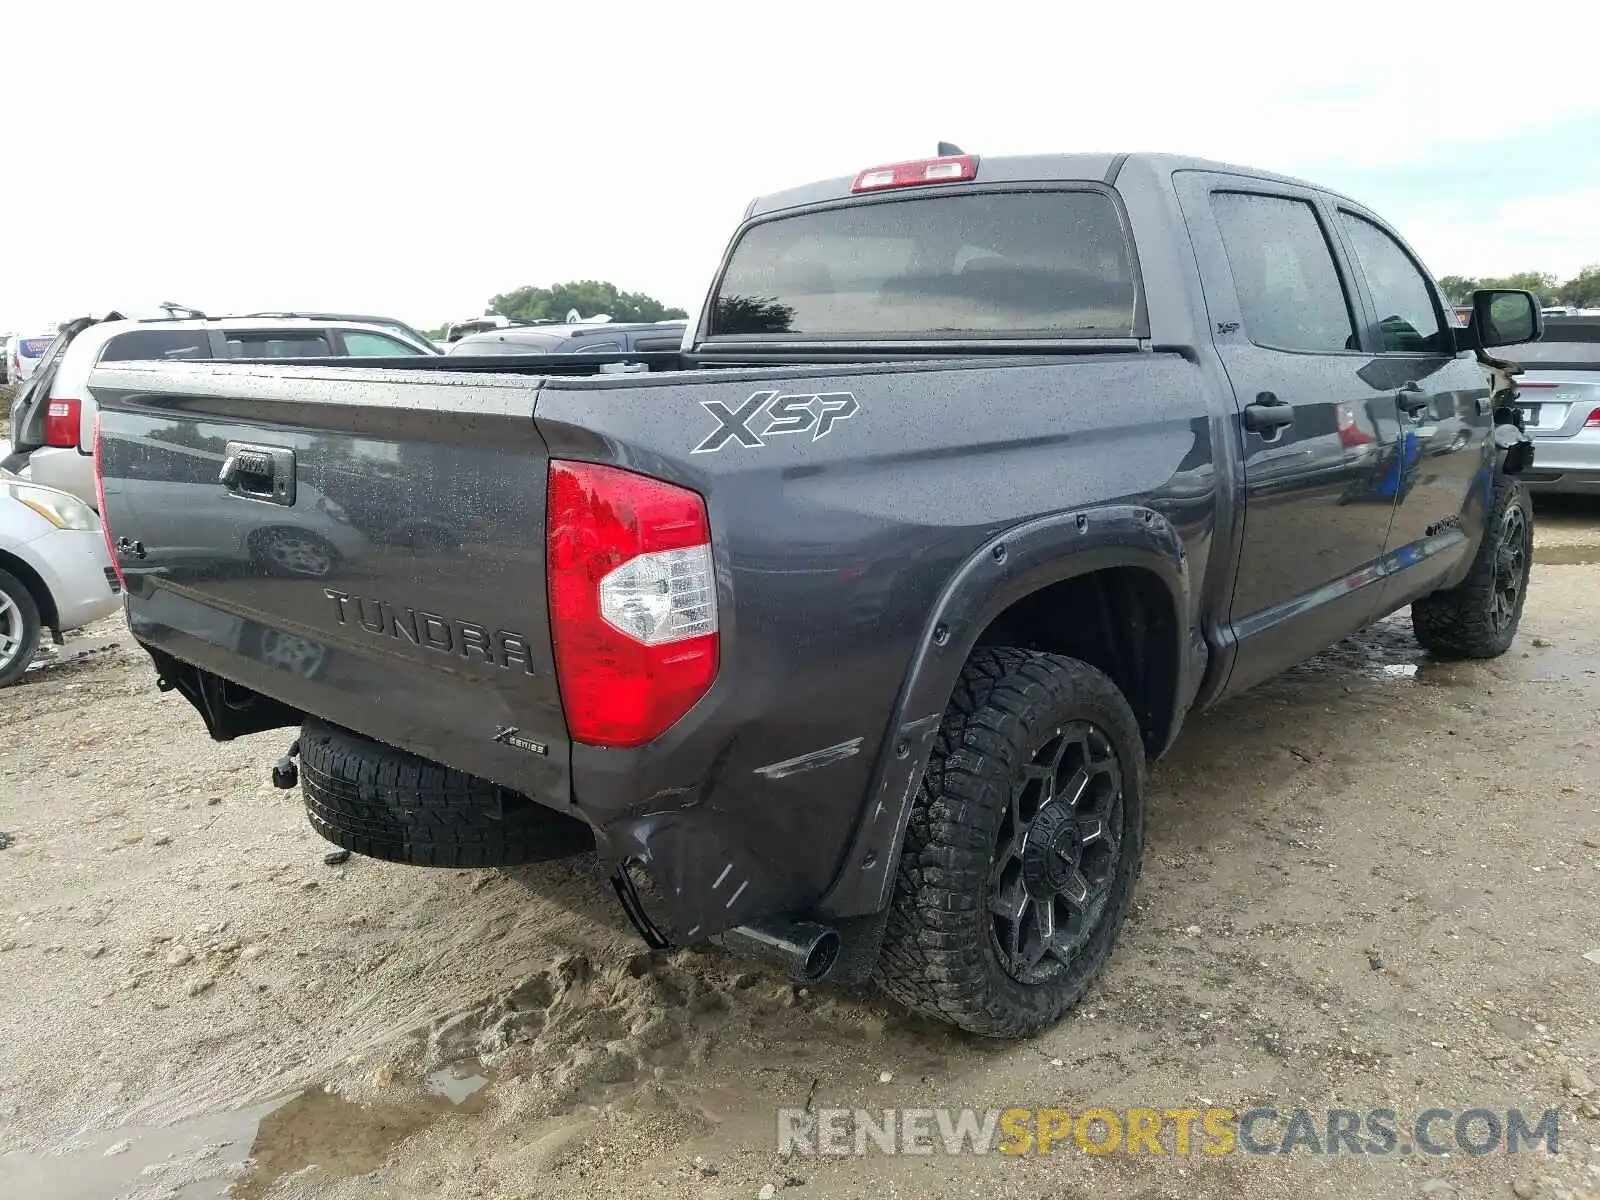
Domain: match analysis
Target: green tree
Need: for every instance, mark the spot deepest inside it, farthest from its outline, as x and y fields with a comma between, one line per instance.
x=1458, y=289
x=1541, y=283
x=1583, y=289
x=591, y=297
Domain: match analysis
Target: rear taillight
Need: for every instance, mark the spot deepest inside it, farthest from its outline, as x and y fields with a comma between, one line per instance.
x=62, y=419
x=1593, y=421
x=953, y=168
x=633, y=602
x=100, y=501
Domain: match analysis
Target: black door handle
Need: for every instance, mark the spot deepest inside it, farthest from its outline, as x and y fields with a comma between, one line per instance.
x=1267, y=414
x=1412, y=399
x=259, y=472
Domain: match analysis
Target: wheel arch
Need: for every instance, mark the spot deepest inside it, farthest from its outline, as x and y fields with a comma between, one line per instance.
x=49, y=617
x=1132, y=543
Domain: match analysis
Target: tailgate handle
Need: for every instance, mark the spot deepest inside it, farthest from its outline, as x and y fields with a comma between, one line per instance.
x=258, y=472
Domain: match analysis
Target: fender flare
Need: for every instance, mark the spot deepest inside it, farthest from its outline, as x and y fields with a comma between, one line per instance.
x=1008, y=566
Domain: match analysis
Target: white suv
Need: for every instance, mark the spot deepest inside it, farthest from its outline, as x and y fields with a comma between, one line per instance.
x=52, y=418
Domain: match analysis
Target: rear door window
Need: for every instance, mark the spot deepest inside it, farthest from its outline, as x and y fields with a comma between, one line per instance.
x=1284, y=275
x=156, y=345
x=278, y=343
x=362, y=344
x=1040, y=263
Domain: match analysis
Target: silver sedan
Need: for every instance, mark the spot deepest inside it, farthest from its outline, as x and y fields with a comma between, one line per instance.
x=1560, y=402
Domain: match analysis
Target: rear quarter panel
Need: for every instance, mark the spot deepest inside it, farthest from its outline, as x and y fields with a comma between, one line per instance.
x=833, y=547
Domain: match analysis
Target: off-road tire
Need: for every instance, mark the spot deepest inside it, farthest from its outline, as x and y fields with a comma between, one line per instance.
x=384, y=803
x=27, y=611
x=1461, y=622
x=940, y=956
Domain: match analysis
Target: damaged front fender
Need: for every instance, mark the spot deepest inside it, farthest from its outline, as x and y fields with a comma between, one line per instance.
x=1513, y=446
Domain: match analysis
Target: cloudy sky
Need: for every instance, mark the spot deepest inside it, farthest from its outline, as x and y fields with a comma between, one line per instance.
x=417, y=160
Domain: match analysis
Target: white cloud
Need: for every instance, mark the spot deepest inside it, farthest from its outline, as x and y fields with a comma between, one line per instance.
x=417, y=160
x=1556, y=233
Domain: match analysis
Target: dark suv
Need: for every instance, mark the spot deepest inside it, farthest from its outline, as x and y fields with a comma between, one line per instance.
x=609, y=338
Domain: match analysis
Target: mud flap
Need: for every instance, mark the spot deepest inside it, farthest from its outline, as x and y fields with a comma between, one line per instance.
x=633, y=908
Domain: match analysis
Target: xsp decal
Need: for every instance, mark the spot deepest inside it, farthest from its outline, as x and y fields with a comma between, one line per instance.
x=813, y=412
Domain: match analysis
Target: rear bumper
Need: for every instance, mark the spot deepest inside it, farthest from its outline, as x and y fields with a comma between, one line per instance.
x=728, y=831
x=1569, y=464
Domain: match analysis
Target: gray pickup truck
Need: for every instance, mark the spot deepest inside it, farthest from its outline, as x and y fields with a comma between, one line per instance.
x=845, y=632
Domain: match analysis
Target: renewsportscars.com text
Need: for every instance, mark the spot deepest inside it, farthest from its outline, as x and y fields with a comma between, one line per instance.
x=1177, y=1131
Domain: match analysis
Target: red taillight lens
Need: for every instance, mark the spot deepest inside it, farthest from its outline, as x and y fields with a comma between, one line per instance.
x=61, y=422
x=100, y=501
x=633, y=602
x=1593, y=421
x=954, y=168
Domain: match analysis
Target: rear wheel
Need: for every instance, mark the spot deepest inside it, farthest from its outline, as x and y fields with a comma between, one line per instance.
x=1478, y=618
x=1023, y=848
x=19, y=628
x=385, y=803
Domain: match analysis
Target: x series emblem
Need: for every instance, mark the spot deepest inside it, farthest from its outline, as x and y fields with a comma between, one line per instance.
x=805, y=412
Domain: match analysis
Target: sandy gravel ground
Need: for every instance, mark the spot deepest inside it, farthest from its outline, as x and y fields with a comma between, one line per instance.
x=1369, y=884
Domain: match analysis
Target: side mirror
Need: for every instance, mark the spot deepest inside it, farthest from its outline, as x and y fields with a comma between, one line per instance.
x=1505, y=318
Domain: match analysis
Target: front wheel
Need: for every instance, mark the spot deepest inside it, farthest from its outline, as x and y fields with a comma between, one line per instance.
x=19, y=628
x=1478, y=618
x=1023, y=846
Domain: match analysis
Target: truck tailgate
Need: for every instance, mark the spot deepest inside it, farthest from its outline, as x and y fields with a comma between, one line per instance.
x=366, y=546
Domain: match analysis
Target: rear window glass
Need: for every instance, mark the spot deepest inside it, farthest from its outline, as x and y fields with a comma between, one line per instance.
x=1563, y=342
x=157, y=344
x=33, y=347
x=1047, y=262
x=278, y=343
x=1551, y=352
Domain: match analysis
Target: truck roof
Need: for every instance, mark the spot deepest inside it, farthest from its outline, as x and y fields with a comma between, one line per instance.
x=1020, y=168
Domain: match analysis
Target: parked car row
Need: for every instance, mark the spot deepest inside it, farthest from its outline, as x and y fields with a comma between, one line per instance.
x=55, y=573
x=55, y=570
x=22, y=354
x=52, y=416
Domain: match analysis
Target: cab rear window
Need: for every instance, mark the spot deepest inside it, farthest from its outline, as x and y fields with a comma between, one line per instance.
x=1053, y=262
